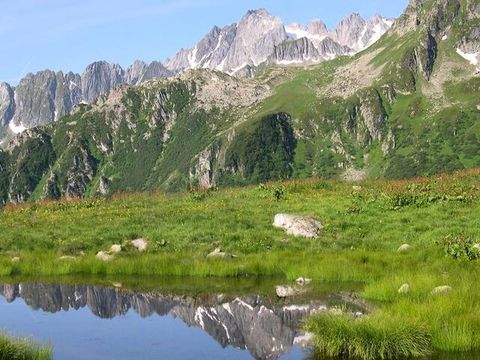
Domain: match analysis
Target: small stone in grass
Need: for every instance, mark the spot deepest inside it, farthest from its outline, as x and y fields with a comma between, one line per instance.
x=404, y=289
x=115, y=249
x=102, y=255
x=439, y=290
x=404, y=248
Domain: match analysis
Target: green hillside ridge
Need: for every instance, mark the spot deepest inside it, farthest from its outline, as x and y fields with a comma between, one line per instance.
x=405, y=107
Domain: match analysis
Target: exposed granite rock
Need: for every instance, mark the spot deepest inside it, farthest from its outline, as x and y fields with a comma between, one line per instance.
x=301, y=51
x=404, y=248
x=7, y=104
x=98, y=78
x=140, y=244
x=104, y=256
x=295, y=225
x=134, y=72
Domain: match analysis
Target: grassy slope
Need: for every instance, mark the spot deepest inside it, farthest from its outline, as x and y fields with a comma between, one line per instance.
x=19, y=349
x=362, y=232
x=431, y=135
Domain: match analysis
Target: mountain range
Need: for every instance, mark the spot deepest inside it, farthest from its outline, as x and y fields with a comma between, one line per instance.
x=405, y=106
x=258, y=38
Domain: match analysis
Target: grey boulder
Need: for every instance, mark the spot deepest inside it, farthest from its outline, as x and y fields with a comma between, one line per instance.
x=307, y=227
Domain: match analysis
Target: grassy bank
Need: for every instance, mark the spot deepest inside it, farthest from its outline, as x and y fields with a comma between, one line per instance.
x=364, y=226
x=22, y=349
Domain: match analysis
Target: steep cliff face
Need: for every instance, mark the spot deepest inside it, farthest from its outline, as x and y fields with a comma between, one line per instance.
x=7, y=109
x=98, y=78
x=301, y=51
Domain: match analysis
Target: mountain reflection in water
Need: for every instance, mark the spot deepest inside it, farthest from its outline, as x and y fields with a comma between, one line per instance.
x=267, y=328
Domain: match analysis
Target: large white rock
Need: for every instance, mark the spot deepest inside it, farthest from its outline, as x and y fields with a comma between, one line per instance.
x=102, y=255
x=219, y=254
x=285, y=291
x=404, y=248
x=295, y=225
x=115, y=249
x=140, y=244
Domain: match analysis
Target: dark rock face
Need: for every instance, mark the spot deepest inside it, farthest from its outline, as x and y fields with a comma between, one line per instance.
x=426, y=55
x=266, y=329
x=81, y=172
x=296, y=51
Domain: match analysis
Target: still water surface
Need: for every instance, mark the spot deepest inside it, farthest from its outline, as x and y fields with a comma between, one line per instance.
x=172, y=322
x=171, y=319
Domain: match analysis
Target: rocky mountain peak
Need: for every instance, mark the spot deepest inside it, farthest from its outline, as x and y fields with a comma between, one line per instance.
x=256, y=36
x=237, y=49
x=99, y=77
x=259, y=20
x=260, y=36
x=135, y=71
x=349, y=31
x=155, y=70
x=317, y=27
x=258, y=13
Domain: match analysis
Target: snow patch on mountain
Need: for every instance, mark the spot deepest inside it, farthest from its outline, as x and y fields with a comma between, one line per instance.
x=16, y=129
x=473, y=58
x=260, y=37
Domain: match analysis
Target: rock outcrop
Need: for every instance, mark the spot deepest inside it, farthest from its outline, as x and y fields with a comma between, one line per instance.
x=7, y=104
x=300, y=226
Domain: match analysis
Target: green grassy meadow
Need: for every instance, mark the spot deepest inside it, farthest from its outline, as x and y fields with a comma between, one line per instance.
x=365, y=223
x=22, y=349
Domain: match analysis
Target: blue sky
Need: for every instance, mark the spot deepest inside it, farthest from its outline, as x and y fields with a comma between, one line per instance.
x=70, y=34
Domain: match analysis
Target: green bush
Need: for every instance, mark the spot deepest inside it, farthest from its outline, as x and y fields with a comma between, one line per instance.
x=459, y=247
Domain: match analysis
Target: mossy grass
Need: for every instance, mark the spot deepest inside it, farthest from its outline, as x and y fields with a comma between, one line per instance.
x=369, y=338
x=364, y=226
x=22, y=349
